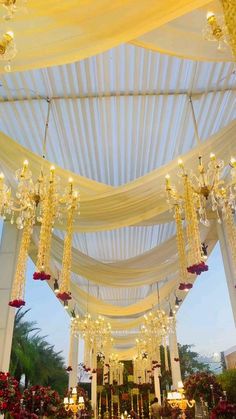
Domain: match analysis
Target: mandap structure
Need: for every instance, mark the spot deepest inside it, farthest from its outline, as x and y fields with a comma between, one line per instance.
x=118, y=175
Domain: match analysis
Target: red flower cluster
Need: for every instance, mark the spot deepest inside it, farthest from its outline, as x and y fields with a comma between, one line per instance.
x=69, y=368
x=39, y=397
x=64, y=296
x=176, y=359
x=224, y=410
x=16, y=303
x=184, y=286
x=9, y=393
x=86, y=369
x=42, y=276
x=197, y=268
x=198, y=386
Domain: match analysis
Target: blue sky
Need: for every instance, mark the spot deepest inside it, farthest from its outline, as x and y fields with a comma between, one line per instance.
x=204, y=320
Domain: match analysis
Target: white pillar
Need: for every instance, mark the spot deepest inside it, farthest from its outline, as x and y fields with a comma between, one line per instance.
x=73, y=361
x=157, y=387
x=174, y=354
x=228, y=266
x=9, y=249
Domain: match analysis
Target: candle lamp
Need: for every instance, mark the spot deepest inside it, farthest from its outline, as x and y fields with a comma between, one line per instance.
x=74, y=402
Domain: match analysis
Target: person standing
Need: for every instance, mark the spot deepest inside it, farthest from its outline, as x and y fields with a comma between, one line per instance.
x=155, y=409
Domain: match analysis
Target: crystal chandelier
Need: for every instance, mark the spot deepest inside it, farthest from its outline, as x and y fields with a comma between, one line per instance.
x=39, y=202
x=94, y=330
x=216, y=30
x=154, y=330
x=8, y=49
x=12, y=6
x=156, y=324
x=199, y=195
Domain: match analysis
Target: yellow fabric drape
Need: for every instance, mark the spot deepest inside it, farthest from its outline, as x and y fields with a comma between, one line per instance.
x=139, y=202
x=183, y=36
x=144, y=269
x=54, y=33
x=97, y=306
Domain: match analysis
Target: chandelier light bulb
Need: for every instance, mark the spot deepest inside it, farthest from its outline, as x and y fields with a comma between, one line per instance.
x=233, y=162
x=210, y=15
x=2, y=176
x=212, y=156
x=26, y=164
x=180, y=163
x=10, y=34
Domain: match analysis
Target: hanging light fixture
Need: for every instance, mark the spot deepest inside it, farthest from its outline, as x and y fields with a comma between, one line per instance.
x=177, y=302
x=56, y=286
x=96, y=330
x=203, y=191
x=8, y=49
x=72, y=204
x=216, y=30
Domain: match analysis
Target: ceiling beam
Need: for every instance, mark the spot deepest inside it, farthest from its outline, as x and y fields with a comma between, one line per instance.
x=38, y=97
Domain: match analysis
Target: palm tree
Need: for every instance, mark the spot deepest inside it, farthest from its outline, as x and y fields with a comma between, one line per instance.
x=33, y=358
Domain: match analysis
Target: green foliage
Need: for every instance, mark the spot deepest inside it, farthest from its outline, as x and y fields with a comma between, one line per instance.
x=228, y=382
x=34, y=358
x=189, y=361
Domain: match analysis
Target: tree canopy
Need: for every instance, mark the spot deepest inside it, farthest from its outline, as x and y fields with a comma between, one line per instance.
x=189, y=361
x=34, y=358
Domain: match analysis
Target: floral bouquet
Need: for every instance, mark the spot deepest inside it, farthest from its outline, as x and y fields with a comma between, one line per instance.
x=9, y=393
x=224, y=410
x=41, y=400
x=203, y=386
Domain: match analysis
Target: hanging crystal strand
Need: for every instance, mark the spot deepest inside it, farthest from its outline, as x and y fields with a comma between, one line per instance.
x=229, y=222
x=17, y=295
x=49, y=212
x=64, y=289
x=180, y=244
x=196, y=265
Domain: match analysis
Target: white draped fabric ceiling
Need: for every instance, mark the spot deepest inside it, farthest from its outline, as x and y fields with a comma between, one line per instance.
x=116, y=119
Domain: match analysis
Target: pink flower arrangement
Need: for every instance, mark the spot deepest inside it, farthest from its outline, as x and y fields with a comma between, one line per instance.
x=64, y=296
x=197, y=268
x=185, y=286
x=42, y=276
x=9, y=393
x=224, y=410
x=203, y=386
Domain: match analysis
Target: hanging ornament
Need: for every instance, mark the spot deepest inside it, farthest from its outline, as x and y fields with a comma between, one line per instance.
x=183, y=274
x=64, y=293
x=48, y=217
x=17, y=295
x=196, y=264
